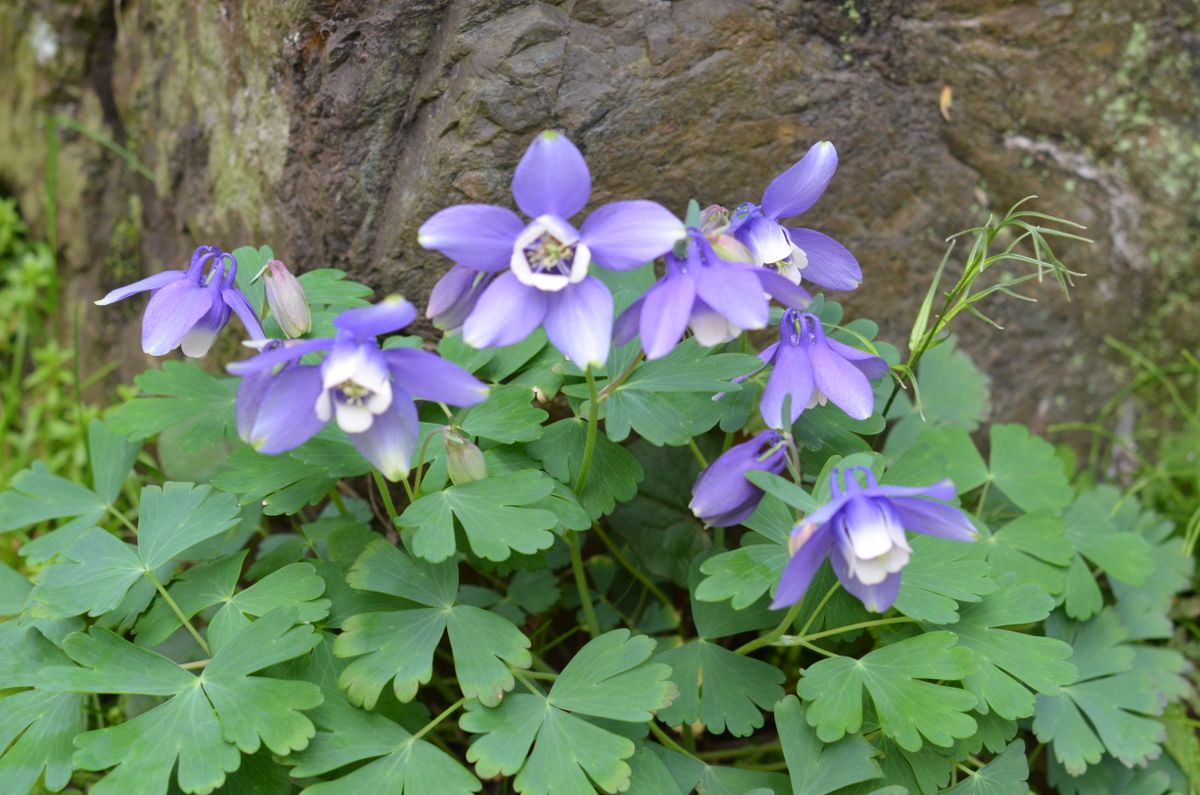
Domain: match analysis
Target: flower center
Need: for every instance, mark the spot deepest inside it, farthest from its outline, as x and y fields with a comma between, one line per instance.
x=549, y=255
x=353, y=393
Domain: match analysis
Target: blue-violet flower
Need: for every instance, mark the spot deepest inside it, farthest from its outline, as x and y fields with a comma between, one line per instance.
x=798, y=253
x=368, y=391
x=545, y=262
x=722, y=496
x=188, y=308
x=715, y=297
x=861, y=530
x=809, y=369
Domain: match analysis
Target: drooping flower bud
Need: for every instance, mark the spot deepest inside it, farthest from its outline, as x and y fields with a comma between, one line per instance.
x=286, y=298
x=721, y=496
x=464, y=461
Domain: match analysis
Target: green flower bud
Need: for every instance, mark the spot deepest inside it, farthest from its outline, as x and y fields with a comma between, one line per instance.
x=464, y=461
x=286, y=298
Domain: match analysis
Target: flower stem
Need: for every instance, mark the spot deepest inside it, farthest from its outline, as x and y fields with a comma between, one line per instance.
x=589, y=444
x=612, y=385
x=124, y=519
x=571, y=537
x=338, y=501
x=585, y=595
x=666, y=740
x=637, y=573
x=386, y=496
x=447, y=712
x=179, y=613
x=879, y=622
x=768, y=638
x=812, y=619
x=699, y=455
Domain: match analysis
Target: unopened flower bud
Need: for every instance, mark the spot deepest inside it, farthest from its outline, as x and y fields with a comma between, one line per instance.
x=454, y=296
x=464, y=461
x=286, y=298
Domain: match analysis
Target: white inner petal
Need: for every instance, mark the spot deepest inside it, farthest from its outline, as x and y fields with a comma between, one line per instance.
x=352, y=418
x=197, y=341
x=548, y=234
x=324, y=407
x=712, y=329
x=869, y=535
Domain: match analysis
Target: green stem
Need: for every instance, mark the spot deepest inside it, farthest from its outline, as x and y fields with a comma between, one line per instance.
x=420, y=464
x=124, y=519
x=179, y=613
x=699, y=455
x=338, y=501
x=879, y=622
x=520, y=676
x=612, y=385
x=386, y=496
x=589, y=444
x=666, y=740
x=982, y=497
x=741, y=750
x=812, y=618
x=585, y=595
x=191, y=666
x=637, y=573
x=770, y=637
x=572, y=538
x=447, y=712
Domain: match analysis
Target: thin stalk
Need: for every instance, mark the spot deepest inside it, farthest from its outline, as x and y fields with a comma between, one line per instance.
x=184, y=620
x=982, y=497
x=124, y=519
x=585, y=595
x=447, y=712
x=741, y=750
x=192, y=666
x=589, y=444
x=420, y=464
x=520, y=676
x=612, y=385
x=338, y=501
x=666, y=740
x=637, y=573
x=879, y=622
x=812, y=619
x=768, y=638
x=699, y=455
x=572, y=538
x=386, y=496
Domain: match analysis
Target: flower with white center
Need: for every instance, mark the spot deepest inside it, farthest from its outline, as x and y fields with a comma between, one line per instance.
x=544, y=264
x=861, y=531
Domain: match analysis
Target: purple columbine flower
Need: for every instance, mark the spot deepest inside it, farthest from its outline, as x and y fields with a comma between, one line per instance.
x=368, y=391
x=798, y=253
x=811, y=369
x=721, y=496
x=715, y=297
x=188, y=308
x=861, y=529
x=543, y=264
x=455, y=295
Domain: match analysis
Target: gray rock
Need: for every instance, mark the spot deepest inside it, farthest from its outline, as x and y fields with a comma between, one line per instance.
x=332, y=129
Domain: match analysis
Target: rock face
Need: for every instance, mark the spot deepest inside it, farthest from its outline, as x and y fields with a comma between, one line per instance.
x=330, y=129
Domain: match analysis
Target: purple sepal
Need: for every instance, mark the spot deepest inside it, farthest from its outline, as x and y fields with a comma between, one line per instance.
x=391, y=314
x=808, y=366
x=862, y=531
x=389, y=443
x=722, y=496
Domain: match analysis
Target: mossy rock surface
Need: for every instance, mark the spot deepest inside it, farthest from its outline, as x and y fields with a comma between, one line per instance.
x=331, y=130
